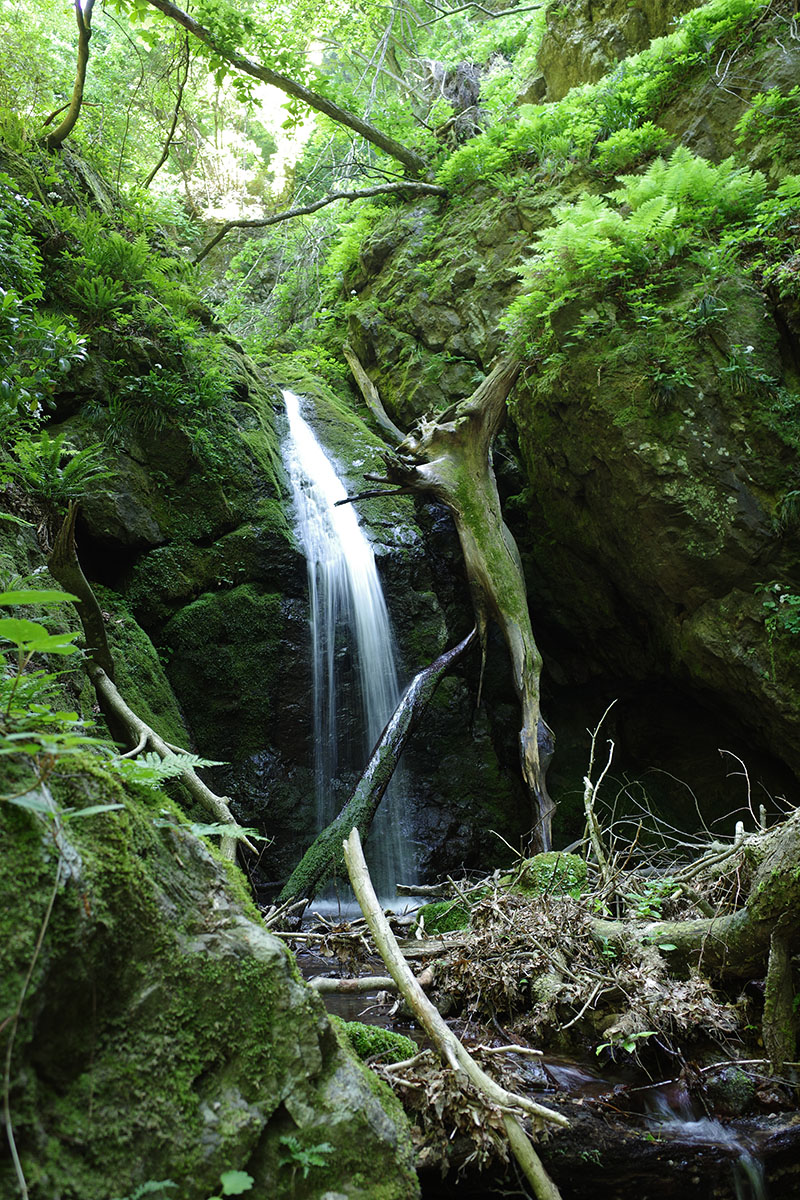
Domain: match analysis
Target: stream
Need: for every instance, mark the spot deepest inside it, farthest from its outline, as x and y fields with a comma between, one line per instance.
x=630, y=1136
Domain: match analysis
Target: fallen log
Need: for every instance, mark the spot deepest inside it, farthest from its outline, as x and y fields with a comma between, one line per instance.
x=326, y=985
x=324, y=857
x=445, y=1041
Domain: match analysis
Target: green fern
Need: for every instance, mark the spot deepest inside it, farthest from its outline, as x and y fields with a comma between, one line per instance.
x=98, y=296
x=53, y=470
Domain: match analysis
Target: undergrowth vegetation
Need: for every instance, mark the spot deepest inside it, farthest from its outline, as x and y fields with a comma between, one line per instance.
x=554, y=137
x=102, y=299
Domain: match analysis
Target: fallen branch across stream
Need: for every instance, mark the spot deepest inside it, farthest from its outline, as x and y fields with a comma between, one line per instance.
x=324, y=857
x=326, y=985
x=447, y=1044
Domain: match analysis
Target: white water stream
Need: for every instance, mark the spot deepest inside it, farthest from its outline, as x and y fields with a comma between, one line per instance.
x=747, y=1170
x=354, y=675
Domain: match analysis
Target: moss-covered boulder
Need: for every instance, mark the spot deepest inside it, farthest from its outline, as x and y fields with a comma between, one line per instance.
x=554, y=873
x=165, y=1033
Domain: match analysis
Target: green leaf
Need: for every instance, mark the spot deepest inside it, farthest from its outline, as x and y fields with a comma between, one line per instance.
x=57, y=643
x=34, y=802
x=224, y=829
x=667, y=946
x=28, y=635
x=32, y=596
x=92, y=810
x=234, y=1183
x=21, y=632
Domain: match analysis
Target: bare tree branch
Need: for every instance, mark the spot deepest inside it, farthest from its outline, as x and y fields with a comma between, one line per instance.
x=384, y=189
x=487, y=12
x=175, y=116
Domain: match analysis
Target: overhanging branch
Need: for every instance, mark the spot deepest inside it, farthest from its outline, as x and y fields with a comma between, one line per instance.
x=384, y=189
x=412, y=161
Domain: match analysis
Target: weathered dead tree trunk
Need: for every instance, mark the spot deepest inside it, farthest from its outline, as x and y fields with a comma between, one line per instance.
x=450, y=457
x=324, y=856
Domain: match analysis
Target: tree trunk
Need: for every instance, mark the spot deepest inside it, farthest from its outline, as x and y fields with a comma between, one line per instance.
x=84, y=18
x=324, y=856
x=412, y=161
x=450, y=457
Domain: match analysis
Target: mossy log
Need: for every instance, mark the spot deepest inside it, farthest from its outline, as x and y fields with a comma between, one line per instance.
x=450, y=458
x=756, y=941
x=324, y=857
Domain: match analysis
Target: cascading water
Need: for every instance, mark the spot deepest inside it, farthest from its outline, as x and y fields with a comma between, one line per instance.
x=681, y=1122
x=354, y=672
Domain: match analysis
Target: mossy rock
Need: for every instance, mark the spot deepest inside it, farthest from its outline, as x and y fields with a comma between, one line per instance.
x=140, y=674
x=166, y=1034
x=444, y=916
x=374, y=1042
x=553, y=873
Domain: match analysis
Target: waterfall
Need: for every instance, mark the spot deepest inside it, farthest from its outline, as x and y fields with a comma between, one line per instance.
x=354, y=674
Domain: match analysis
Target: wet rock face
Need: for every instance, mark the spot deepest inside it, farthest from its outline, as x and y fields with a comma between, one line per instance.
x=585, y=39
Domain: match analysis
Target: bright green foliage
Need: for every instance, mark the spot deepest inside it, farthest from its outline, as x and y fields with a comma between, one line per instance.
x=297, y=1156
x=781, y=609
x=234, y=1183
x=647, y=901
x=553, y=135
x=705, y=195
x=374, y=1043
x=629, y=1042
x=31, y=730
x=150, y=770
x=53, y=470
x=626, y=148
x=774, y=117
x=601, y=242
x=154, y=1188
x=37, y=351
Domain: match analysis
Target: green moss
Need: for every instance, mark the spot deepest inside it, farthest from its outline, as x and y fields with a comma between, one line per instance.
x=444, y=916
x=166, y=1034
x=140, y=675
x=553, y=873
x=227, y=648
x=374, y=1042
